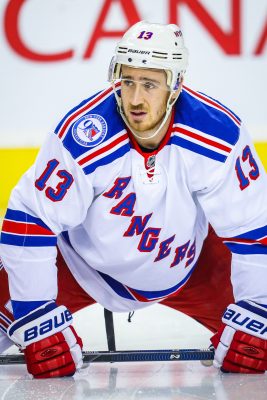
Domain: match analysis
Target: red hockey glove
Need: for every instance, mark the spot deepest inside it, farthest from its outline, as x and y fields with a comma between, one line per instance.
x=51, y=346
x=241, y=342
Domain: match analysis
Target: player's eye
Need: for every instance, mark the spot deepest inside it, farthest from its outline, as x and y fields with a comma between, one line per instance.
x=149, y=85
x=127, y=82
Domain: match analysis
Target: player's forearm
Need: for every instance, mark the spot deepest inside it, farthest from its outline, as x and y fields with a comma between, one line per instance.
x=32, y=276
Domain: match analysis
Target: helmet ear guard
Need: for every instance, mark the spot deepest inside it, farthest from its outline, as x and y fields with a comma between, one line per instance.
x=114, y=71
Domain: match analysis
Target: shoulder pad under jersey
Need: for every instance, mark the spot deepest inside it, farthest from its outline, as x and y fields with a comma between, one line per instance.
x=94, y=132
x=205, y=126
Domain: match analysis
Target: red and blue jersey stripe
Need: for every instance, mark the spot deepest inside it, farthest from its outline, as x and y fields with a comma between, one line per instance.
x=204, y=126
x=251, y=242
x=5, y=321
x=83, y=108
x=143, y=295
x=105, y=153
x=22, y=229
x=116, y=143
x=200, y=142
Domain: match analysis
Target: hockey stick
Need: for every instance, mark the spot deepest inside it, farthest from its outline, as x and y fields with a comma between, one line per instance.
x=109, y=324
x=128, y=356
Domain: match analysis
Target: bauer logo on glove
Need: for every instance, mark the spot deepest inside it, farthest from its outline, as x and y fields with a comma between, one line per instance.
x=47, y=326
x=23, y=330
x=236, y=317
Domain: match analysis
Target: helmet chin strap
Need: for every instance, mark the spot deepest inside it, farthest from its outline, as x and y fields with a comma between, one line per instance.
x=170, y=104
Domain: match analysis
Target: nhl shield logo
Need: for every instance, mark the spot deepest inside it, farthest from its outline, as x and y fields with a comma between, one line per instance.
x=151, y=161
x=89, y=130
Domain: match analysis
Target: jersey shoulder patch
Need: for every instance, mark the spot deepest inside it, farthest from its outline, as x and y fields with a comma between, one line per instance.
x=93, y=132
x=205, y=126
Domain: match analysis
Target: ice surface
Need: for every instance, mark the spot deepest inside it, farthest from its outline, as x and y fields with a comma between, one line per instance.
x=154, y=327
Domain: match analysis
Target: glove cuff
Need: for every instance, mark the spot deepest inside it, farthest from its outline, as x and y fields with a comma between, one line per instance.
x=39, y=324
x=247, y=317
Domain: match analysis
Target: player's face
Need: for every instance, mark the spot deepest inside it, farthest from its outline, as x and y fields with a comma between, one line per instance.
x=144, y=95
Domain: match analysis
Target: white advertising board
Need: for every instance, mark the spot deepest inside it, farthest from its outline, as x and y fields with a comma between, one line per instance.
x=54, y=53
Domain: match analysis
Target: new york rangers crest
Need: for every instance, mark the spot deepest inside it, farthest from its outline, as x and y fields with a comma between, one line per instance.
x=90, y=130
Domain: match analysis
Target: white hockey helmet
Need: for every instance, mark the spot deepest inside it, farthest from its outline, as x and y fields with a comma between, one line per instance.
x=152, y=45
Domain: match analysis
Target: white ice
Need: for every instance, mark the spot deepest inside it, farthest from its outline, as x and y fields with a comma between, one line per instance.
x=155, y=327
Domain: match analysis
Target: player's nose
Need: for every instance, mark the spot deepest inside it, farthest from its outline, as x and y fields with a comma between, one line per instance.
x=137, y=95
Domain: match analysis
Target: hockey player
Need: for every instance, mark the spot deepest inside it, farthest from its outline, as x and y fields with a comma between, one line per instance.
x=121, y=207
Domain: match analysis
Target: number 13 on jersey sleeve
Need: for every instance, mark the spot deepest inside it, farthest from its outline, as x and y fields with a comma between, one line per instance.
x=65, y=182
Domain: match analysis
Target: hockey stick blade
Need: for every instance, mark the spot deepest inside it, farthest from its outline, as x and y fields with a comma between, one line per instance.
x=128, y=356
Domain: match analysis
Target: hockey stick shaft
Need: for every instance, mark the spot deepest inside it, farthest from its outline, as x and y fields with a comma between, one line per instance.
x=128, y=356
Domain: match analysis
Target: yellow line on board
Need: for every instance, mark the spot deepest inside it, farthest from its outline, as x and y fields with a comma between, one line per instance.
x=14, y=162
x=261, y=148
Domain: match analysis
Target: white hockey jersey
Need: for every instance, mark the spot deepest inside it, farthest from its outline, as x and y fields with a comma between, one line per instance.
x=130, y=225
